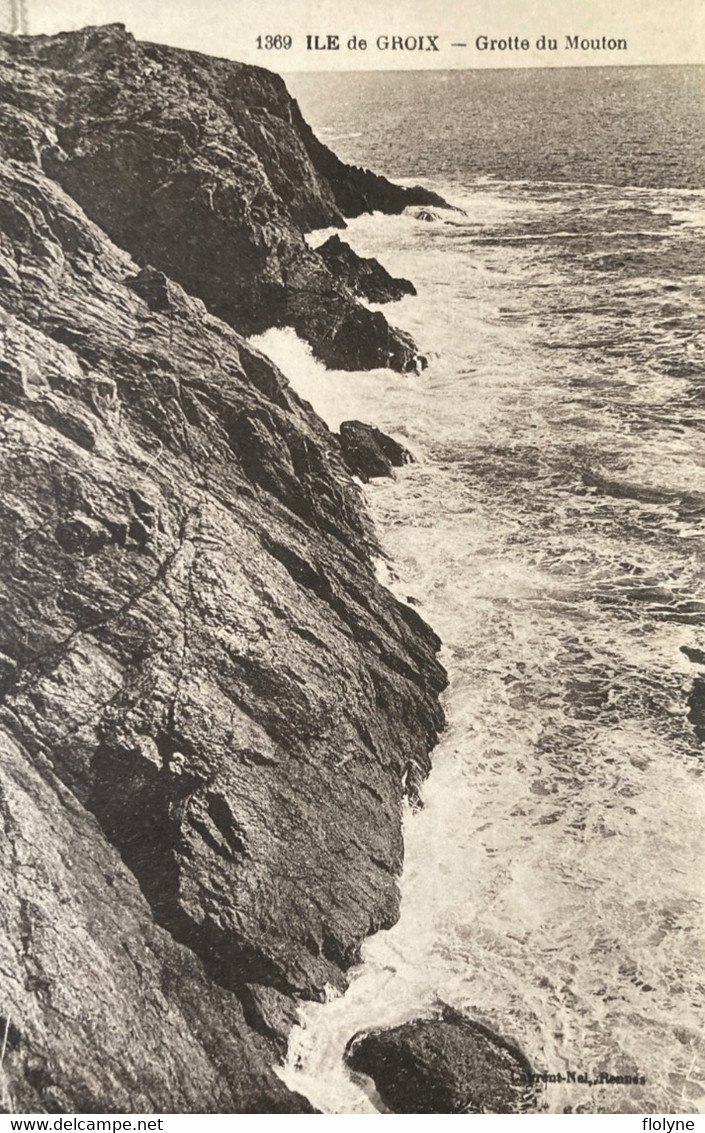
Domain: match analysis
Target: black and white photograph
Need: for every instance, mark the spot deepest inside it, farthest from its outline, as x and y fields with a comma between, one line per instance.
x=352, y=560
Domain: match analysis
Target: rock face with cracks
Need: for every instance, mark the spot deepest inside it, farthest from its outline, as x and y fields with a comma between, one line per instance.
x=209, y=707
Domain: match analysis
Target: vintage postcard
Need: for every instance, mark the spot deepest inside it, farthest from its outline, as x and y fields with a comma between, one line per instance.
x=352, y=517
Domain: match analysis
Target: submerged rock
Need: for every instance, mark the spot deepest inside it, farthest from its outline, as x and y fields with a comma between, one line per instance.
x=369, y=452
x=448, y=1064
x=427, y=215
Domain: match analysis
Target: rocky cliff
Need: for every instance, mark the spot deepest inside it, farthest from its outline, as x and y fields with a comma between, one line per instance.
x=210, y=709
x=204, y=169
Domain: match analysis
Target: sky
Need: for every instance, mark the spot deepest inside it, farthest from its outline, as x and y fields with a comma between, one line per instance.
x=655, y=31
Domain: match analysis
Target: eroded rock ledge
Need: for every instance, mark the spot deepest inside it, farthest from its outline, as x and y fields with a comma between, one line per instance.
x=208, y=705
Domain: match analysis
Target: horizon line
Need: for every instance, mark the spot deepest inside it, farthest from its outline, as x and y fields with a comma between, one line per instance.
x=453, y=70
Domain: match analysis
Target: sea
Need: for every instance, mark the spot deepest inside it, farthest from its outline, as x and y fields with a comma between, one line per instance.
x=551, y=531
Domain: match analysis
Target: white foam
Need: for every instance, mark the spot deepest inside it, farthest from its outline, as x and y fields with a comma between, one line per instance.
x=551, y=886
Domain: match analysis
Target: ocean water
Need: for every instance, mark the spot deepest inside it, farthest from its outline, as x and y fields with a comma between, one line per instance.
x=638, y=126
x=551, y=531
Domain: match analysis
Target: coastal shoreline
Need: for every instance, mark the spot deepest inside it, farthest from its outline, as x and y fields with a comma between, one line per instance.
x=549, y=573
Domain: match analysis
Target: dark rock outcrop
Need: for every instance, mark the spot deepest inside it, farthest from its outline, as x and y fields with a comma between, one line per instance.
x=445, y=1065
x=204, y=169
x=359, y=190
x=209, y=708
x=369, y=452
x=364, y=276
x=696, y=707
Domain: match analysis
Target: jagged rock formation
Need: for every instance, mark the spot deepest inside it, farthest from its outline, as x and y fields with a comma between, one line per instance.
x=445, y=1065
x=368, y=452
x=364, y=276
x=208, y=705
x=204, y=169
x=359, y=190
